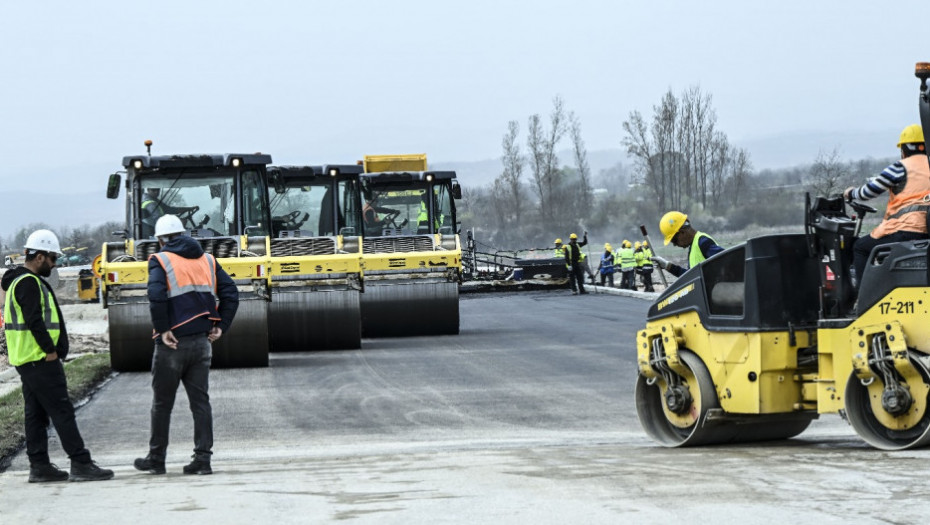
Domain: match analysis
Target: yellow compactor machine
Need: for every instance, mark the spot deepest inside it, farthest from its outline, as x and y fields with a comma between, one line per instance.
x=223, y=202
x=411, y=253
x=315, y=257
x=757, y=341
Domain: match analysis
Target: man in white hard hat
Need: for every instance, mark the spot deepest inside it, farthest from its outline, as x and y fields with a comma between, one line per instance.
x=184, y=284
x=37, y=343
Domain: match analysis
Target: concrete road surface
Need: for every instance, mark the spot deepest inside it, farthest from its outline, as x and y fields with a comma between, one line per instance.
x=525, y=417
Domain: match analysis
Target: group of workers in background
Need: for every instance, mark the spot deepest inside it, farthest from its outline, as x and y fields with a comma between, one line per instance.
x=636, y=259
x=630, y=260
x=907, y=182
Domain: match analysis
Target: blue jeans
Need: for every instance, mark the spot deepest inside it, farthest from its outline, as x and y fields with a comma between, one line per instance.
x=188, y=364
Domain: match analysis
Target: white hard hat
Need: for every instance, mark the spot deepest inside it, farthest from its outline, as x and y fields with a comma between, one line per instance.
x=43, y=240
x=167, y=225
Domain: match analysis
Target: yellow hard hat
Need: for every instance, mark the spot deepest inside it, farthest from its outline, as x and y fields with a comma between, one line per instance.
x=645, y=244
x=638, y=245
x=607, y=246
x=573, y=236
x=558, y=241
x=670, y=224
x=911, y=134
x=626, y=243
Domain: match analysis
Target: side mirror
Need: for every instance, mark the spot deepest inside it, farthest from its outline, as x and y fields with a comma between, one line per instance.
x=113, y=185
x=456, y=190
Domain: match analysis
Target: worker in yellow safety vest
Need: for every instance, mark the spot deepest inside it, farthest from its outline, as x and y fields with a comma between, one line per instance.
x=644, y=263
x=627, y=266
x=37, y=343
x=677, y=230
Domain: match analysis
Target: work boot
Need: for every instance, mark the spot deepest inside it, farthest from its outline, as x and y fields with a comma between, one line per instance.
x=89, y=472
x=198, y=466
x=45, y=473
x=147, y=464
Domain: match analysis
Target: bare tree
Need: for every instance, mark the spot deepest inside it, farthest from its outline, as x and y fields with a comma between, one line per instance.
x=719, y=167
x=664, y=130
x=544, y=162
x=639, y=145
x=827, y=173
x=740, y=170
x=581, y=162
x=511, y=179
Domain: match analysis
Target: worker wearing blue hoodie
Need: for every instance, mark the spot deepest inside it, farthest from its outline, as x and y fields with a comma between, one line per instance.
x=183, y=287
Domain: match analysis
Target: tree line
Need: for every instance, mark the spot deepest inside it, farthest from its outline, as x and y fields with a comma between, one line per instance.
x=680, y=159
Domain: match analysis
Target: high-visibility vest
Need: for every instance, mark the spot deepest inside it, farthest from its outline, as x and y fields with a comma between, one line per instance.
x=627, y=259
x=22, y=346
x=695, y=256
x=647, y=259
x=640, y=257
x=907, y=209
x=187, y=279
x=423, y=217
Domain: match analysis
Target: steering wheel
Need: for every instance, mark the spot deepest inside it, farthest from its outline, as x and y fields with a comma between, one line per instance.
x=292, y=220
x=187, y=215
x=389, y=219
x=861, y=208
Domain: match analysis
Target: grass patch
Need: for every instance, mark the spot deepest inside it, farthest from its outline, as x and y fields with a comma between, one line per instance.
x=83, y=373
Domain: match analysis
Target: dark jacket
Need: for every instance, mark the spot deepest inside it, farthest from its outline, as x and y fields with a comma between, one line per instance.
x=160, y=305
x=573, y=251
x=27, y=295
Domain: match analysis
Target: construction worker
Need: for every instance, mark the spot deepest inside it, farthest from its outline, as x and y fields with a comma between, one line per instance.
x=37, y=344
x=574, y=259
x=183, y=286
x=606, y=268
x=152, y=209
x=627, y=266
x=677, y=230
x=908, y=183
x=645, y=267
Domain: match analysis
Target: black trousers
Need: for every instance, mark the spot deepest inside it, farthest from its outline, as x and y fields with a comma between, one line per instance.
x=576, y=277
x=607, y=277
x=863, y=247
x=188, y=364
x=45, y=393
x=647, y=280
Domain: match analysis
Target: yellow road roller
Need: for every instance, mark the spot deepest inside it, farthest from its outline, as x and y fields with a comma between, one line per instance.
x=411, y=253
x=759, y=340
x=315, y=257
x=223, y=202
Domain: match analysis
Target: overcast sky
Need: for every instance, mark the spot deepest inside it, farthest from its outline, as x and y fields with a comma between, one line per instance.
x=85, y=83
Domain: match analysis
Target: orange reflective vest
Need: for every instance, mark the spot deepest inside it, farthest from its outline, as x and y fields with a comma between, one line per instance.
x=907, y=209
x=191, y=287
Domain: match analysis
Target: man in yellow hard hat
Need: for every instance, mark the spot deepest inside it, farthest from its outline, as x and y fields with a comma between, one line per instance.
x=677, y=230
x=907, y=182
x=574, y=259
x=627, y=266
x=606, y=267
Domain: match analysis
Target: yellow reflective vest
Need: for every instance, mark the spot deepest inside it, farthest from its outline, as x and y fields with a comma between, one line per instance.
x=22, y=346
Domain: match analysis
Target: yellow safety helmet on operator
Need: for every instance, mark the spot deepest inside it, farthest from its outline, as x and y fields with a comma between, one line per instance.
x=638, y=245
x=912, y=134
x=670, y=224
x=607, y=246
x=626, y=243
x=573, y=236
x=558, y=241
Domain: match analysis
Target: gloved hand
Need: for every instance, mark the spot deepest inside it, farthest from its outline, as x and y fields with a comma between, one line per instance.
x=660, y=262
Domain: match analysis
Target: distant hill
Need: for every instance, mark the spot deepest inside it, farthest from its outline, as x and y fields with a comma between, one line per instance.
x=20, y=208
